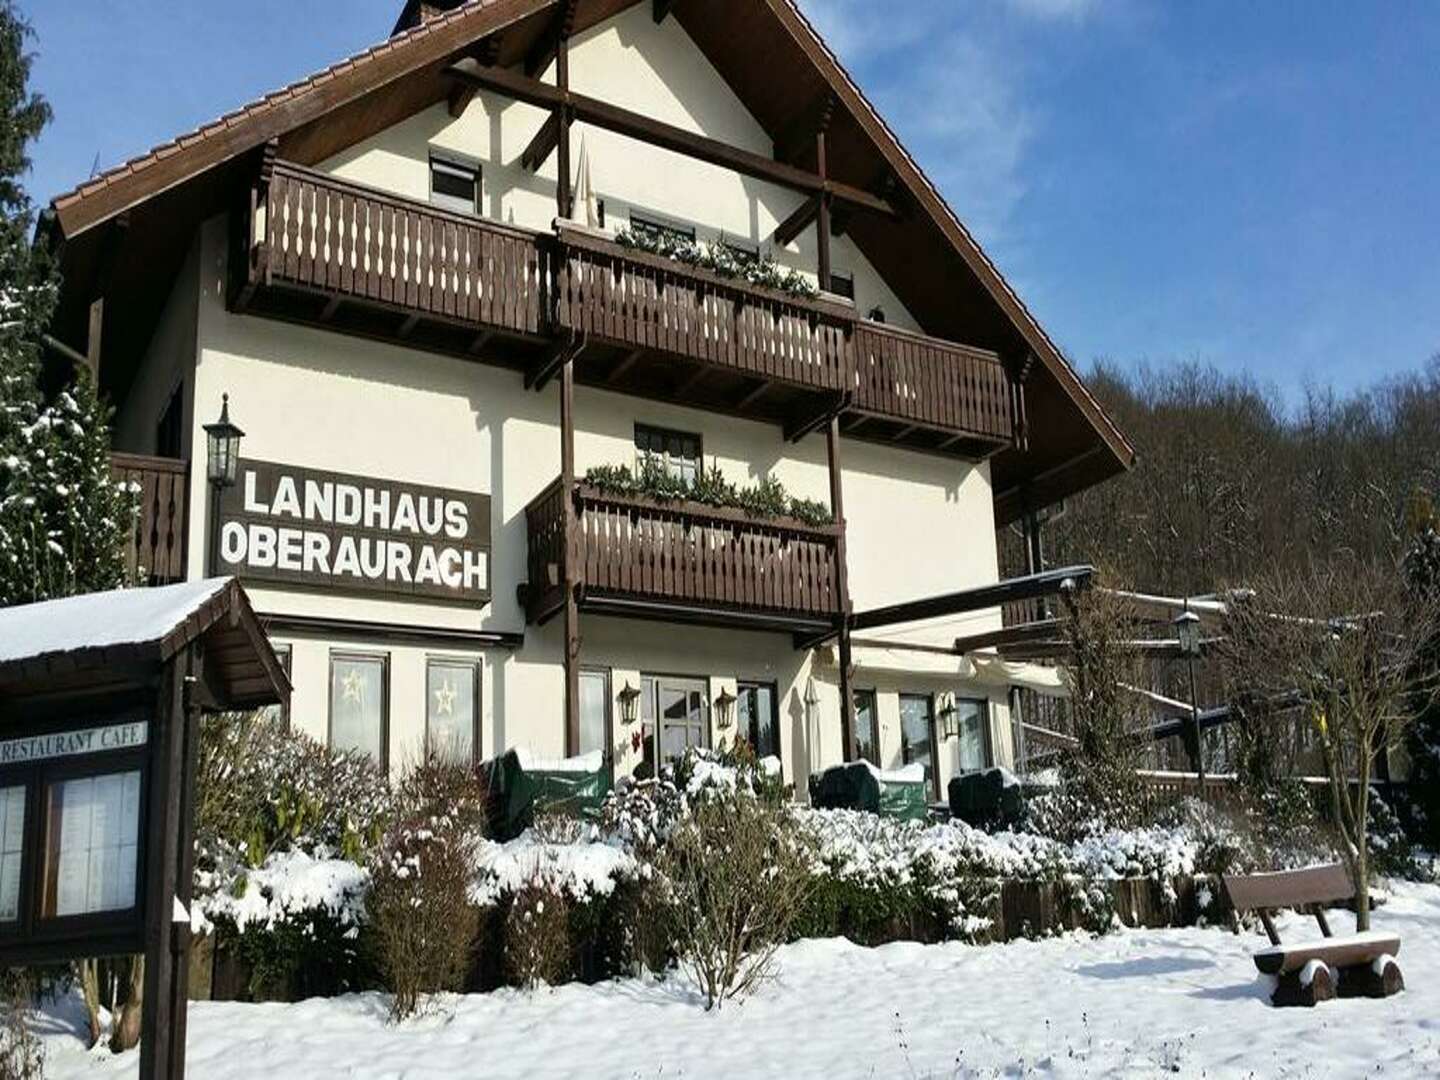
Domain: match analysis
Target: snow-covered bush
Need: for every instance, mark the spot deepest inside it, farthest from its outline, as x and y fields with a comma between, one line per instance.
x=423, y=923
x=537, y=936
x=738, y=872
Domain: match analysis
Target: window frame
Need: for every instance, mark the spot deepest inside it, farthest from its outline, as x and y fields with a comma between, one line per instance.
x=477, y=666
x=285, y=653
x=874, y=695
x=460, y=168
x=753, y=686
x=929, y=699
x=664, y=435
x=987, y=747
x=608, y=674
x=356, y=656
x=847, y=293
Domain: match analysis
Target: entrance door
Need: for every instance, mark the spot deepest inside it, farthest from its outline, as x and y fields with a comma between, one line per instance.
x=683, y=719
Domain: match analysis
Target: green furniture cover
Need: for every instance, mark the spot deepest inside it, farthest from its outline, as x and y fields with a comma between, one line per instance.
x=577, y=786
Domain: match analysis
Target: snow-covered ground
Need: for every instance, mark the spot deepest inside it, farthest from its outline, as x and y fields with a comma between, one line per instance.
x=1137, y=1003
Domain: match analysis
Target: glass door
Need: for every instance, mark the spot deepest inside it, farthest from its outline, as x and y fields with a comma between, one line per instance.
x=917, y=735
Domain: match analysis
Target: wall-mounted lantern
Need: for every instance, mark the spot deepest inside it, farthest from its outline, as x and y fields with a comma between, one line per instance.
x=725, y=709
x=223, y=438
x=950, y=719
x=629, y=703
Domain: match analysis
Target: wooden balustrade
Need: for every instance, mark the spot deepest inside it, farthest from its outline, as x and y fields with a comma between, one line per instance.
x=345, y=240
x=633, y=298
x=155, y=554
x=682, y=554
x=353, y=258
x=932, y=383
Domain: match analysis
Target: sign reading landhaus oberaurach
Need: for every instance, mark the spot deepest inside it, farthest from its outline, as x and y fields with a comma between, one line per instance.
x=307, y=527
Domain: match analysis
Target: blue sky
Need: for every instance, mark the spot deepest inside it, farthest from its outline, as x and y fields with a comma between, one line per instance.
x=1251, y=185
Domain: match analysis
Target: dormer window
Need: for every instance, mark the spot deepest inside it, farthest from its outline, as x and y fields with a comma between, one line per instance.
x=454, y=185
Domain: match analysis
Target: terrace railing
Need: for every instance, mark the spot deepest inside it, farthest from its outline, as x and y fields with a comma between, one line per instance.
x=155, y=554
x=682, y=554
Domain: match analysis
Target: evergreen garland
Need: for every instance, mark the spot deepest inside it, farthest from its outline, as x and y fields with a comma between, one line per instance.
x=63, y=519
x=765, y=499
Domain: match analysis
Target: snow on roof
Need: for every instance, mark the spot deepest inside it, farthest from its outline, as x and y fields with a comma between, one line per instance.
x=100, y=620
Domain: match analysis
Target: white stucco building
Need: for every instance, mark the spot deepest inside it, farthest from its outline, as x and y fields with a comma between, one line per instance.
x=372, y=265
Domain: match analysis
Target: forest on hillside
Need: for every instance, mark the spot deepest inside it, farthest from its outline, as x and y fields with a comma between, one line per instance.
x=1232, y=478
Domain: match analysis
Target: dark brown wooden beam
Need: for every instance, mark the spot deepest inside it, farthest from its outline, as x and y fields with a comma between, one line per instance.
x=568, y=582
x=487, y=52
x=797, y=222
x=808, y=425
x=755, y=394
x=621, y=369
x=1044, y=629
x=542, y=145
x=842, y=582
x=331, y=307
x=481, y=340
x=978, y=599
x=407, y=327
x=694, y=380
x=560, y=353
x=666, y=136
x=903, y=433
x=798, y=137
x=662, y=9
x=547, y=46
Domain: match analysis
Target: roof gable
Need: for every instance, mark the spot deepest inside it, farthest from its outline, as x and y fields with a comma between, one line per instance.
x=781, y=70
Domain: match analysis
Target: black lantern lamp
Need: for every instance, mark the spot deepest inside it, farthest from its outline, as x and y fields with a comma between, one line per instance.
x=222, y=464
x=629, y=703
x=725, y=709
x=950, y=720
x=223, y=438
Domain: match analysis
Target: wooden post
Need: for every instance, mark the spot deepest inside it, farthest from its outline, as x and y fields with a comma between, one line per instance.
x=157, y=1015
x=97, y=333
x=180, y=938
x=570, y=526
x=842, y=576
x=562, y=116
x=822, y=219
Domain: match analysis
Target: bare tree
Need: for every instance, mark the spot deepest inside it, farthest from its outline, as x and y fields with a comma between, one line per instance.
x=1344, y=639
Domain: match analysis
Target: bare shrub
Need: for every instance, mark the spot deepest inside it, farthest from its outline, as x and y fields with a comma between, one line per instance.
x=424, y=924
x=1343, y=643
x=22, y=1054
x=1101, y=667
x=537, y=935
x=739, y=875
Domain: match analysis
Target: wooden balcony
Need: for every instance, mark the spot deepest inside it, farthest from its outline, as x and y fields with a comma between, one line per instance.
x=361, y=261
x=155, y=554
x=681, y=561
x=326, y=252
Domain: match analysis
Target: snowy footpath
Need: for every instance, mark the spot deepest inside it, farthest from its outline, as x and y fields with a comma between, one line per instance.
x=1136, y=1003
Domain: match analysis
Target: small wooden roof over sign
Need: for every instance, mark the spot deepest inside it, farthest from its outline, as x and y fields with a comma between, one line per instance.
x=126, y=636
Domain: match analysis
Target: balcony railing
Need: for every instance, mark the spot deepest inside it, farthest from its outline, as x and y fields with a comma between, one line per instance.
x=631, y=553
x=633, y=298
x=344, y=240
x=155, y=554
x=327, y=251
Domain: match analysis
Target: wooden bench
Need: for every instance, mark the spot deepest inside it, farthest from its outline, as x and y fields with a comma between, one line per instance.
x=1365, y=961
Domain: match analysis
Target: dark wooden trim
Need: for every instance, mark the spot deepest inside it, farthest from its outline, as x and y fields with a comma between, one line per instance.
x=1042, y=630
x=699, y=615
x=561, y=353
x=569, y=573
x=542, y=145
x=666, y=136
x=985, y=596
x=797, y=222
x=391, y=633
x=662, y=9
x=846, y=660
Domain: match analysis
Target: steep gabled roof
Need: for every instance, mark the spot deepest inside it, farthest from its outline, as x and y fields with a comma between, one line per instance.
x=778, y=65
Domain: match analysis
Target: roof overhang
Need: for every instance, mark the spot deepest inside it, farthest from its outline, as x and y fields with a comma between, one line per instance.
x=134, y=224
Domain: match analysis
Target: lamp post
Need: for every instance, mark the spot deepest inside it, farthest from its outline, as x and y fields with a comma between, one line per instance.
x=1187, y=634
x=221, y=466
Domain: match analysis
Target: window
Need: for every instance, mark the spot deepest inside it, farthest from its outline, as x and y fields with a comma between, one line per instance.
x=675, y=452
x=12, y=844
x=169, y=432
x=759, y=721
x=660, y=227
x=867, y=729
x=452, y=709
x=280, y=714
x=745, y=252
x=675, y=716
x=94, y=822
x=595, y=712
x=917, y=734
x=454, y=185
x=359, y=704
x=974, y=721
x=842, y=285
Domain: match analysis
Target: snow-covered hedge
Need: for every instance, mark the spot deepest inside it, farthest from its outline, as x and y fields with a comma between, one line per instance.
x=291, y=885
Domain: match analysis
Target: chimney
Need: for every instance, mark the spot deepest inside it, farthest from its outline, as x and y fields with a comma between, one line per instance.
x=417, y=11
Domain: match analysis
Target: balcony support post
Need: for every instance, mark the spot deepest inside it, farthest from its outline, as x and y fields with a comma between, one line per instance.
x=842, y=582
x=562, y=120
x=822, y=217
x=568, y=566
